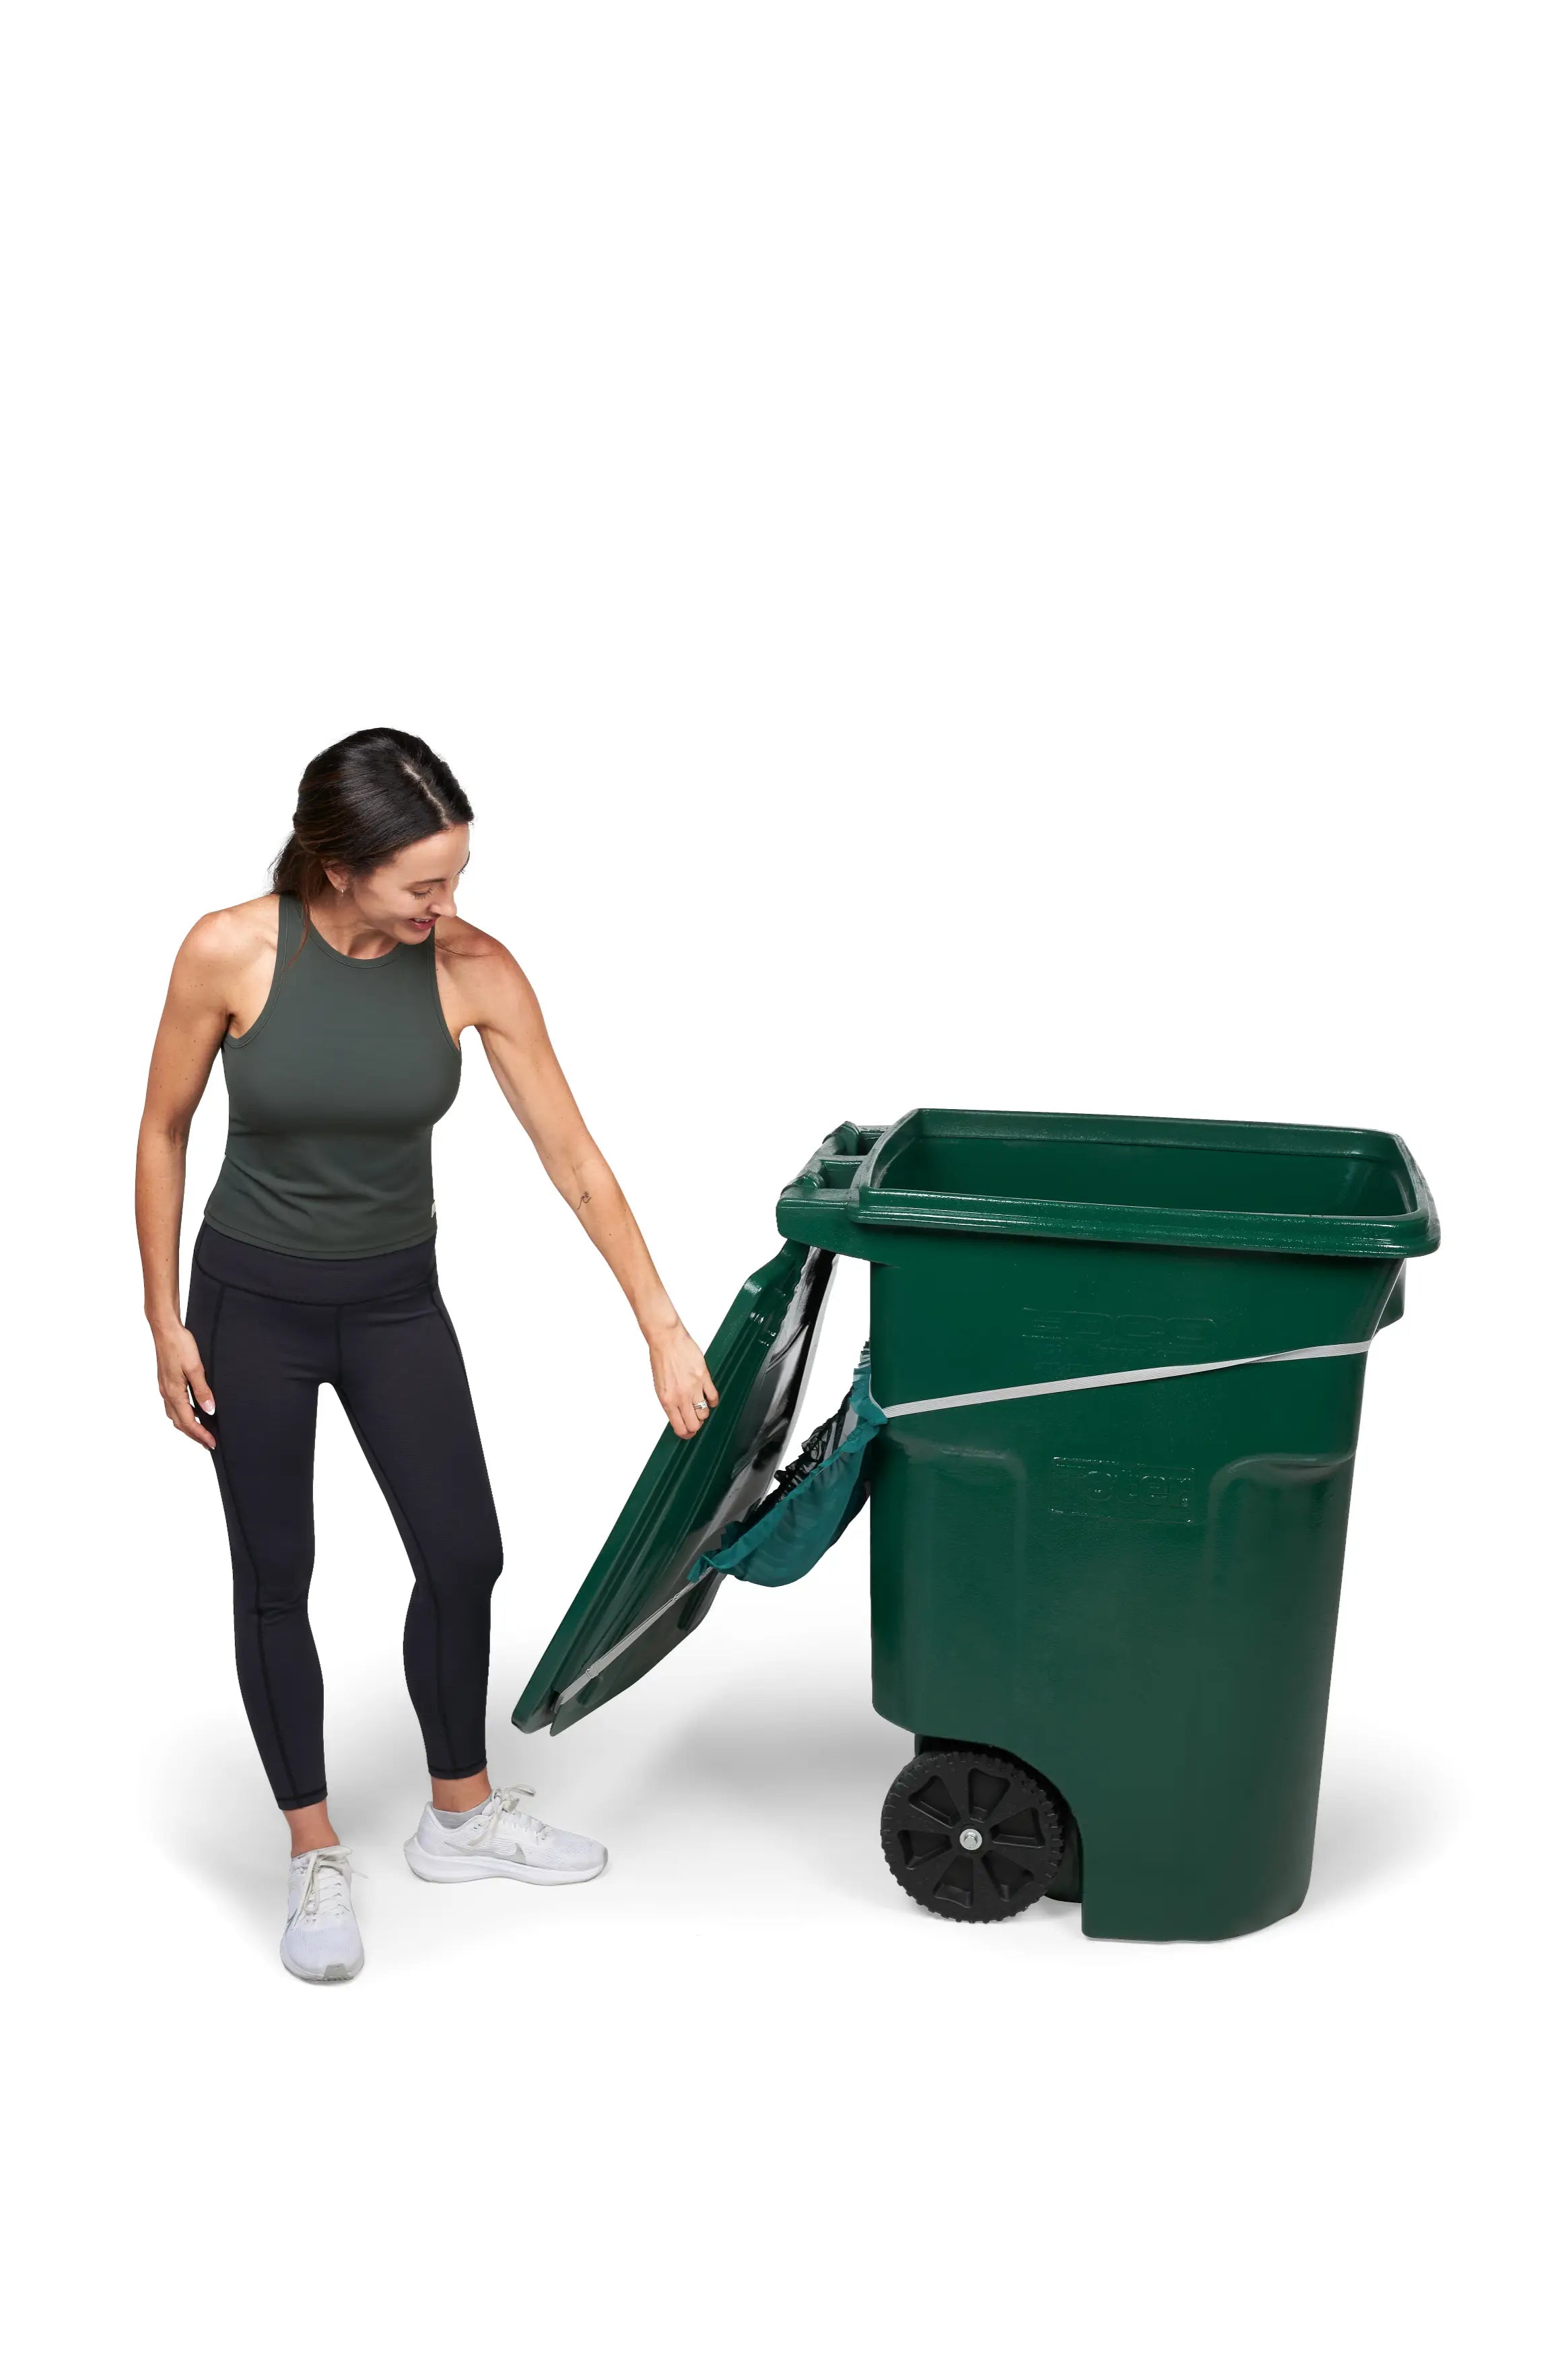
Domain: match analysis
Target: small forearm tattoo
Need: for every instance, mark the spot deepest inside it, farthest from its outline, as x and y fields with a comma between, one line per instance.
x=582, y=1200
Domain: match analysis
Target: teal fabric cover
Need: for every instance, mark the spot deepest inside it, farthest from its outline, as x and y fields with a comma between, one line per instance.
x=817, y=1497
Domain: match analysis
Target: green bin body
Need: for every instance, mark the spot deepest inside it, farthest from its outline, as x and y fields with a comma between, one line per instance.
x=1130, y=1585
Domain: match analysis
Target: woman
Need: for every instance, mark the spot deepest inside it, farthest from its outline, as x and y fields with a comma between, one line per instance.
x=337, y=1002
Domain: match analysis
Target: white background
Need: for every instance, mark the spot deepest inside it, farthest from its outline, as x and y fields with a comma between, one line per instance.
x=996, y=555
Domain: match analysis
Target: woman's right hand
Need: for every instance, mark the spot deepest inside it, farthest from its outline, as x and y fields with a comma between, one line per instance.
x=181, y=1379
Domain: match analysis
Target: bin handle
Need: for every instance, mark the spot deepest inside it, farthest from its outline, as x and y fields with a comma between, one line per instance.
x=1116, y=1380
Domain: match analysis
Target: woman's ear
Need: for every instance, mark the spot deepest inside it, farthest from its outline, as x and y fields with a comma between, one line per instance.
x=338, y=876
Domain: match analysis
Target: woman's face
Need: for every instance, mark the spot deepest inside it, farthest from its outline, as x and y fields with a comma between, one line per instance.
x=407, y=897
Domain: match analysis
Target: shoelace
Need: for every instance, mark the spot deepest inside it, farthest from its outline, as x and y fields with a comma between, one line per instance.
x=507, y=1813
x=325, y=1894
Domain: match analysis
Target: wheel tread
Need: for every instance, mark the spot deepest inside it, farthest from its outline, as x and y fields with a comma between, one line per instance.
x=922, y=1869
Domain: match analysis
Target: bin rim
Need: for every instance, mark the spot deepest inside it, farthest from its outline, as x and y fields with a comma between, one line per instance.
x=848, y=1177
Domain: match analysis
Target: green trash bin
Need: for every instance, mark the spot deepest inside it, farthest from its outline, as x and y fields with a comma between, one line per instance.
x=1121, y=1362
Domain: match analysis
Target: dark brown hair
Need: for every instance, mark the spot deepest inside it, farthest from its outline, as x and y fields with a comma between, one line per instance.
x=362, y=801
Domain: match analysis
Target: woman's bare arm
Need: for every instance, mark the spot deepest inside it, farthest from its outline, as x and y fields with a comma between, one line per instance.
x=210, y=973
x=490, y=990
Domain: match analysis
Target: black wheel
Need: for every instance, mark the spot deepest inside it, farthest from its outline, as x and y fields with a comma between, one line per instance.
x=972, y=1833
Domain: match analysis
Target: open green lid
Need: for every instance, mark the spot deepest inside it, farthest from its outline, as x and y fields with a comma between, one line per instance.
x=634, y=1604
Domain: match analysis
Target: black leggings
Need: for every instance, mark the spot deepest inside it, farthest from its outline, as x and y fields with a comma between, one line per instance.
x=271, y=1329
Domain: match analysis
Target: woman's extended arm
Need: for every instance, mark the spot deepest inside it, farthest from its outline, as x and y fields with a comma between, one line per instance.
x=496, y=998
x=196, y=1015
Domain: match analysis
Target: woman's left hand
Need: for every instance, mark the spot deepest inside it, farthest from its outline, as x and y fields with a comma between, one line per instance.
x=680, y=1379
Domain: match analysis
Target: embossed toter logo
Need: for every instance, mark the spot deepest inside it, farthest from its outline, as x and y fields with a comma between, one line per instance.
x=1124, y=1491
x=1165, y=1338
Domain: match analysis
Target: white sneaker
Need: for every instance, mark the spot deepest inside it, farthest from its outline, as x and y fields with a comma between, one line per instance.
x=500, y=1840
x=322, y=1942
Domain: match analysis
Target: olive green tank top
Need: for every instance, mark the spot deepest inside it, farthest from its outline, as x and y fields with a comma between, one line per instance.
x=333, y=1092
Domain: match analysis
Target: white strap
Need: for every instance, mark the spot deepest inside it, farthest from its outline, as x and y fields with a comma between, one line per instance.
x=987, y=1397
x=1116, y=1380
x=683, y=1592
